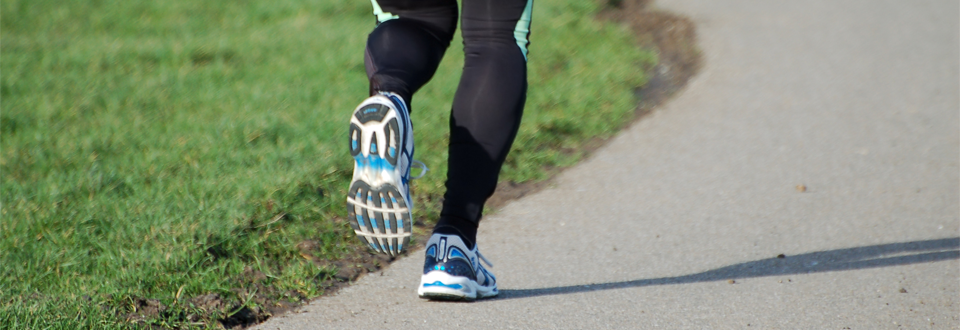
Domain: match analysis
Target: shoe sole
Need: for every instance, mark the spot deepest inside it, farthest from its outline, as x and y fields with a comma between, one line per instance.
x=376, y=203
x=438, y=285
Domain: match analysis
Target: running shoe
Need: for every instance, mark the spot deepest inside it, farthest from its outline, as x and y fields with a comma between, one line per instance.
x=378, y=202
x=452, y=272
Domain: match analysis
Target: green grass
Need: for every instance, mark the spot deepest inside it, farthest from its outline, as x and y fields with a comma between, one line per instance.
x=168, y=149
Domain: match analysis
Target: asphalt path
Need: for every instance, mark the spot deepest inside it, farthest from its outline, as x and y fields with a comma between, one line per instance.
x=693, y=218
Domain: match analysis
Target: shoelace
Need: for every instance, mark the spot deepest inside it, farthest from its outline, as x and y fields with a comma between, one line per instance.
x=418, y=164
x=490, y=264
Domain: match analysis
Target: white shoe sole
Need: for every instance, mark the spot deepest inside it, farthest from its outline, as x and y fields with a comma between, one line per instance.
x=377, y=203
x=438, y=285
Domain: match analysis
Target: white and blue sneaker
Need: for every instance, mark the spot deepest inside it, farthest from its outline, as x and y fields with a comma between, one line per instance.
x=378, y=202
x=452, y=272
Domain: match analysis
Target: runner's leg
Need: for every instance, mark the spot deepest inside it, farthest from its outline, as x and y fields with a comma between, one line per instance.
x=406, y=47
x=486, y=109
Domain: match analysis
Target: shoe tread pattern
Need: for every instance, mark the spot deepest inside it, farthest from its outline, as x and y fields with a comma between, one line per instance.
x=378, y=212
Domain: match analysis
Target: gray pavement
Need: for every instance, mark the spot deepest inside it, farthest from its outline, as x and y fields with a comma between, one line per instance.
x=858, y=100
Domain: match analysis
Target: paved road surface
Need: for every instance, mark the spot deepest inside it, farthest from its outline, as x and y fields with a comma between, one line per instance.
x=858, y=100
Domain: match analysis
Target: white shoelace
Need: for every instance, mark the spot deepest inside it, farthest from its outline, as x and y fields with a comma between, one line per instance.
x=490, y=264
x=418, y=164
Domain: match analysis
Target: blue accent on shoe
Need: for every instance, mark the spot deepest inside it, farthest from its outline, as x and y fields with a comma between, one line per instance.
x=432, y=251
x=438, y=283
x=392, y=150
x=353, y=144
x=374, y=161
x=360, y=220
x=404, y=114
x=455, y=253
x=373, y=222
x=487, y=276
x=373, y=147
x=399, y=102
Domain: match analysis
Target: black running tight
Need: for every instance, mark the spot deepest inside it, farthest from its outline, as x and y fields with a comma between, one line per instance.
x=403, y=53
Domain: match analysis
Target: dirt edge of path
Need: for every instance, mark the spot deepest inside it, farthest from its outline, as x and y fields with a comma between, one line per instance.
x=675, y=39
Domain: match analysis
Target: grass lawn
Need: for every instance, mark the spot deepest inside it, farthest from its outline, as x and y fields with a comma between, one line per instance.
x=158, y=153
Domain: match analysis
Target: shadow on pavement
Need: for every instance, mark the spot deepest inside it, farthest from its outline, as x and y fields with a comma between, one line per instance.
x=883, y=255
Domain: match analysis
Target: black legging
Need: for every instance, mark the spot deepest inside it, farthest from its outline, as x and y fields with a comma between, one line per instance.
x=403, y=53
